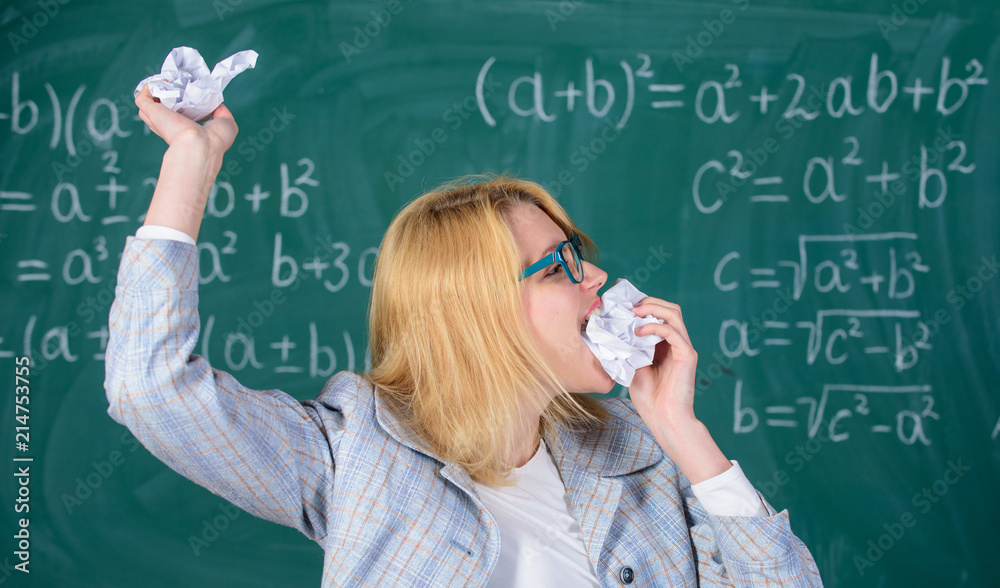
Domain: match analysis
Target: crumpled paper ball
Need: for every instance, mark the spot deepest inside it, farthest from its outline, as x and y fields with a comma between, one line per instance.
x=185, y=84
x=611, y=336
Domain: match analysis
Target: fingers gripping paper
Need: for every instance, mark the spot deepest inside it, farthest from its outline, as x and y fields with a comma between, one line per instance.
x=611, y=334
x=186, y=86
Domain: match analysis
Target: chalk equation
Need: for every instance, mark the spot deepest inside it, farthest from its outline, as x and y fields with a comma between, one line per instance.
x=68, y=202
x=823, y=176
x=725, y=99
x=834, y=344
x=101, y=204
x=105, y=120
x=316, y=357
x=832, y=271
x=316, y=353
x=862, y=410
x=837, y=264
x=332, y=264
x=831, y=265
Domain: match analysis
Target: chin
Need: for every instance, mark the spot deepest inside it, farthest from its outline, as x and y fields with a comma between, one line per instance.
x=603, y=383
x=600, y=383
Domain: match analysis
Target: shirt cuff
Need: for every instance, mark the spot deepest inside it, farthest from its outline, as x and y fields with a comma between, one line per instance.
x=729, y=494
x=149, y=232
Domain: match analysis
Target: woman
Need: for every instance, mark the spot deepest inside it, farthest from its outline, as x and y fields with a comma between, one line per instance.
x=466, y=455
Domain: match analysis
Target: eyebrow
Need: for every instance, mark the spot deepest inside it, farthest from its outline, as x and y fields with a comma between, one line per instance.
x=551, y=249
x=546, y=252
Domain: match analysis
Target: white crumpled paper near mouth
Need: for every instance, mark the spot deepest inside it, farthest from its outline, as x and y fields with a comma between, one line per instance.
x=185, y=84
x=611, y=336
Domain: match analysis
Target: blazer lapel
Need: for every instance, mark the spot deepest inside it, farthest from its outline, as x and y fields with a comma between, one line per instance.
x=592, y=463
x=594, y=500
x=390, y=414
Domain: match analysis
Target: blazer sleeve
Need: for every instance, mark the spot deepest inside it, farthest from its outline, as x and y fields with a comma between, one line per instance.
x=748, y=551
x=264, y=451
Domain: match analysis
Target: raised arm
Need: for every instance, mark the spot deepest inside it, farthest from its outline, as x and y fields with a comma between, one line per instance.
x=192, y=160
x=262, y=450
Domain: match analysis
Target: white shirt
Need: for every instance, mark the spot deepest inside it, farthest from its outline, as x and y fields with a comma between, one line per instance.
x=540, y=540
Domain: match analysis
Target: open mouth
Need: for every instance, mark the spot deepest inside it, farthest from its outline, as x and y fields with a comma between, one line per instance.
x=586, y=319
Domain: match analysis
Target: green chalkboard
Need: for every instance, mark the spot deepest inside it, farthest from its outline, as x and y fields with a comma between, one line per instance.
x=816, y=186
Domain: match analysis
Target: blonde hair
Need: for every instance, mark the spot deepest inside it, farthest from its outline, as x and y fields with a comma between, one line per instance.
x=448, y=338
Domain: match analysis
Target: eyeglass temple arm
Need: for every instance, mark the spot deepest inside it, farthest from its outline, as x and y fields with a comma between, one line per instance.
x=548, y=259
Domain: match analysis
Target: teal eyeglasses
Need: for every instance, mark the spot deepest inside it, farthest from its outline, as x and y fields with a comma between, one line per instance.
x=569, y=257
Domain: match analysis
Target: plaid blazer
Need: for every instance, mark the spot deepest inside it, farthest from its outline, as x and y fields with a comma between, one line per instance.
x=343, y=470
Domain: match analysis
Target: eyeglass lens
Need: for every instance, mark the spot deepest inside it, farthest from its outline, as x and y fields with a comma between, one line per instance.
x=573, y=261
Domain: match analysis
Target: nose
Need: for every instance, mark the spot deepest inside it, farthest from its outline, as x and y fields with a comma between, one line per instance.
x=593, y=277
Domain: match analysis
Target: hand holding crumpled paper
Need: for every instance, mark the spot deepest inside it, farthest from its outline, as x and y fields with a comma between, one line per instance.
x=611, y=334
x=186, y=86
